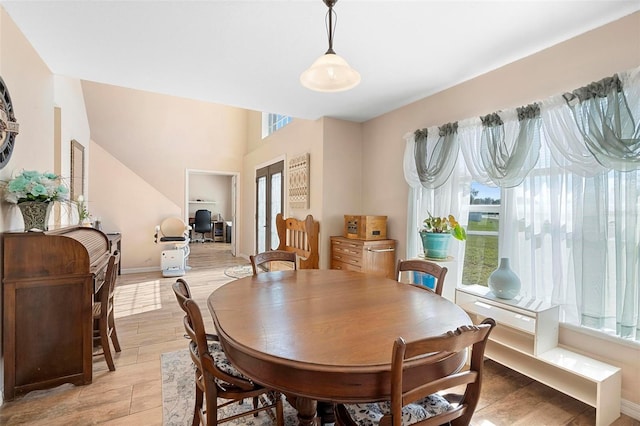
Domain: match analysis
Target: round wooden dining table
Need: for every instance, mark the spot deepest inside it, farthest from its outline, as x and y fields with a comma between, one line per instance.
x=327, y=335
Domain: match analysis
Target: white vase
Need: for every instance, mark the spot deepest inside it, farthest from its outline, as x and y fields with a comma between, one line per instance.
x=503, y=282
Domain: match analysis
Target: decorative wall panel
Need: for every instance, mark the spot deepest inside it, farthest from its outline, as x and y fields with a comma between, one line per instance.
x=299, y=182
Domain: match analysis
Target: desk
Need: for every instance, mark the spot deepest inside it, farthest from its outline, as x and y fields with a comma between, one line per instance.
x=326, y=335
x=218, y=229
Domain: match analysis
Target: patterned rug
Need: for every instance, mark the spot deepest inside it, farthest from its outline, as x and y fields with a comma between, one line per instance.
x=178, y=393
x=239, y=271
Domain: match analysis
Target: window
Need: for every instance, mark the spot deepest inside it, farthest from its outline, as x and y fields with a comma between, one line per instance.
x=272, y=122
x=481, y=252
x=567, y=212
x=570, y=238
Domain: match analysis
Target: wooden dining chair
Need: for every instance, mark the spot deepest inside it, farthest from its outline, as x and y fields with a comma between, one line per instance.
x=426, y=267
x=215, y=376
x=272, y=256
x=415, y=403
x=104, y=326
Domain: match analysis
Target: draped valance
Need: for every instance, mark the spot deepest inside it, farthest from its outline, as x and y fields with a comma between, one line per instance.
x=589, y=131
x=435, y=161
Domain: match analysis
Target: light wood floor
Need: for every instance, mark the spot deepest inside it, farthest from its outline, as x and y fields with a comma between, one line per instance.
x=149, y=323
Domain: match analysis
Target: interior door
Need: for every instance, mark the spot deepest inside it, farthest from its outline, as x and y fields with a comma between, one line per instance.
x=269, y=202
x=234, y=189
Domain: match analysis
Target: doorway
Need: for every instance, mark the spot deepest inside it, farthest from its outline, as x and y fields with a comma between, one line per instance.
x=269, y=202
x=216, y=192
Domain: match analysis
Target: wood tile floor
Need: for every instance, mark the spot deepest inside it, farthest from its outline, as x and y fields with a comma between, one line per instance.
x=149, y=323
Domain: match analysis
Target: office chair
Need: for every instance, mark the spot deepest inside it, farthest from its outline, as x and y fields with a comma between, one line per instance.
x=202, y=224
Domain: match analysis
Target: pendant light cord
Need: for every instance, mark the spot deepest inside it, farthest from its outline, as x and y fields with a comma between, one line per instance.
x=330, y=20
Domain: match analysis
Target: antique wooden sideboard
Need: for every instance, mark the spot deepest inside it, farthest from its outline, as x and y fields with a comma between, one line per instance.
x=48, y=284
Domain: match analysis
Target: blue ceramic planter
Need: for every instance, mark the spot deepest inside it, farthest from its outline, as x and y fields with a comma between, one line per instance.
x=435, y=245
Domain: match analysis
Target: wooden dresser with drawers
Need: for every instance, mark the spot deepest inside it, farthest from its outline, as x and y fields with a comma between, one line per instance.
x=370, y=256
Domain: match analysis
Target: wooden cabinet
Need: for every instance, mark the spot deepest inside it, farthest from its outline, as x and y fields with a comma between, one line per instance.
x=49, y=280
x=218, y=231
x=373, y=256
x=526, y=340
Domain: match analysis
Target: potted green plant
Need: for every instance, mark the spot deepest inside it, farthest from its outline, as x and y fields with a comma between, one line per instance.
x=436, y=233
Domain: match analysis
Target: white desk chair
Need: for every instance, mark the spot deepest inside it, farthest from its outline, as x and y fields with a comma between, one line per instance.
x=175, y=232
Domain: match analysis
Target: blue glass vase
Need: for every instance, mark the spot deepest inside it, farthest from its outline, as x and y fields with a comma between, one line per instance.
x=503, y=282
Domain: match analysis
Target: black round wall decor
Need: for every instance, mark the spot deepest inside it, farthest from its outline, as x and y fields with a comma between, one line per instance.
x=8, y=126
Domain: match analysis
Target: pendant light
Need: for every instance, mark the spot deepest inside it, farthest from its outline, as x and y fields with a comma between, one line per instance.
x=330, y=72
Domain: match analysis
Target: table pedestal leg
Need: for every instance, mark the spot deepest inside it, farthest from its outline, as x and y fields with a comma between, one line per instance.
x=325, y=412
x=306, y=409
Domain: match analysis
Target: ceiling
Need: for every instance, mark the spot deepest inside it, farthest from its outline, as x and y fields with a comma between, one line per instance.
x=250, y=54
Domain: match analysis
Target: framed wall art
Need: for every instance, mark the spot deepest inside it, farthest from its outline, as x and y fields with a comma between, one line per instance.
x=299, y=182
x=77, y=170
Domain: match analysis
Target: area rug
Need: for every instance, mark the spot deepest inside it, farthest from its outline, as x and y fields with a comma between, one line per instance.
x=239, y=271
x=178, y=393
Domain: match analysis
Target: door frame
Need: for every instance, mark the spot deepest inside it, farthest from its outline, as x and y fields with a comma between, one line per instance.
x=280, y=158
x=235, y=196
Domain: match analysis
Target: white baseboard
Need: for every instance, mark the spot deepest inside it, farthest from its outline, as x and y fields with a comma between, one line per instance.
x=630, y=409
x=138, y=270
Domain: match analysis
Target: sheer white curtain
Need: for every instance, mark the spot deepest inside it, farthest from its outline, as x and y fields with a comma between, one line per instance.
x=606, y=114
x=500, y=150
x=570, y=198
x=510, y=144
x=594, y=139
x=436, y=154
x=537, y=233
x=451, y=197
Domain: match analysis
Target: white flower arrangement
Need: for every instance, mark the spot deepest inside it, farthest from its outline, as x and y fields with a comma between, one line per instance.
x=35, y=186
x=83, y=213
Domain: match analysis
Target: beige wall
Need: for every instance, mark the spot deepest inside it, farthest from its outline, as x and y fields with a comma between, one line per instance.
x=73, y=126
x=342, y=180
x=31, y=87
x=566, y=66
x=159, y=137
x=144, y=143
x=127, y=204
x=154, y=139
x=298, y=137
x=335, y=173
x=34, y=93
x=208, y=187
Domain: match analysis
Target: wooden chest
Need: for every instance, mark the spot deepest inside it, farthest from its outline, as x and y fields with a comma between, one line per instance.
x=365, y=227
x=374, y=257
